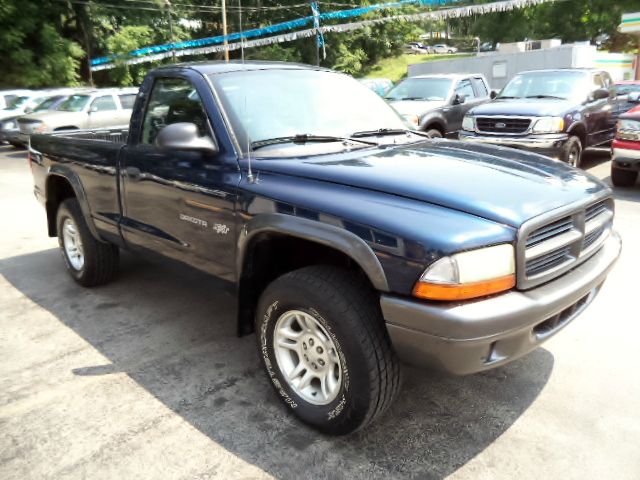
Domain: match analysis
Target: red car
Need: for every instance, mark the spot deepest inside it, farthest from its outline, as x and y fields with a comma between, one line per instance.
x=625, y=156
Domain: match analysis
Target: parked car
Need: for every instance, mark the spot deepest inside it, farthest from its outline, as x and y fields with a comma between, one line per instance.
x=379, y=85
x=9, y=128
x=83, y=110
x=415, y=48
x=351, y=242
x=487, y=47
x=625, y=151
x=557, y=113
x=437, y=104
x=443, y=48
x=8, y=96
x=624, y=88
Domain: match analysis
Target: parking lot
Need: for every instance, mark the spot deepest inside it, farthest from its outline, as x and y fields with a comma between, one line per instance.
x=145, y=378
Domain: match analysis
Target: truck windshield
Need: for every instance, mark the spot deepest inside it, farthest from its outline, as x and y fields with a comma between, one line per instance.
x=268, y=104
x=75, y=103
x=551, y=84
x=46, y=104
x=17, y=102
x=421, y=89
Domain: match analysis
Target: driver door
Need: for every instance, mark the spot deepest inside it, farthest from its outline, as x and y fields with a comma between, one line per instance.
x=455, y=113
x=179, y=202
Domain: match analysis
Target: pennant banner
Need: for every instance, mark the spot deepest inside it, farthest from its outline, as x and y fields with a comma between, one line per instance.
x=214, y=44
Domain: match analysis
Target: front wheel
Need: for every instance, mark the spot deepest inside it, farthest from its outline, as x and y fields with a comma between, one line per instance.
x=571, y=152
x=623, y=178
x=325, y=348
x=434, y=133
x=89, y=261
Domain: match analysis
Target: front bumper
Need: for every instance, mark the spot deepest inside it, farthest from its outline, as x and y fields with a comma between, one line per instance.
x=478, y=335
x=544, y=144
x=625, y=158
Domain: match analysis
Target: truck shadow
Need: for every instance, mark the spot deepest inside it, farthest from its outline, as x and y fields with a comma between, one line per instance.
x=172, y=330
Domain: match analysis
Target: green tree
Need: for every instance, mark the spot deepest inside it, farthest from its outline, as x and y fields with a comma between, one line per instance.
x=122, y=42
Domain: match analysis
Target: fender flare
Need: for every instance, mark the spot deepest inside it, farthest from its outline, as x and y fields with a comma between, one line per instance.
x=322, y=233
x=577, y=126
x=76, y=184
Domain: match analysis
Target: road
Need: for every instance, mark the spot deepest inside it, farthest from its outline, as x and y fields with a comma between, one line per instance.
x=145, y=378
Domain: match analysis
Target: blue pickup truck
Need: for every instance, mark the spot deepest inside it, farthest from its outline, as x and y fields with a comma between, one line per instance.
x=352, y=242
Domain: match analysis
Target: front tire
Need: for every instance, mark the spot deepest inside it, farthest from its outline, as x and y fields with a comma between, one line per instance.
x=434, y=133
x=571, y=152
x=88, y=261
x=623, y=178
x=325, y=348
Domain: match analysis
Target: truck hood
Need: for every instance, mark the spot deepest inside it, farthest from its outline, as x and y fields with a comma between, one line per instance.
x=528, y=107
x=416, y=107
x=53, y=117
x=500, y=184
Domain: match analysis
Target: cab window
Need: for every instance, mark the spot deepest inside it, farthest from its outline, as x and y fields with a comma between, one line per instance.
x=479, y=87
x=173, y=100
x=103, y=104
x=464, y=88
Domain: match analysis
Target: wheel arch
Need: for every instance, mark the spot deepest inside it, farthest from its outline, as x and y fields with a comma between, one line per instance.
x=579, y=130
x=61, y=184
x=273, y=244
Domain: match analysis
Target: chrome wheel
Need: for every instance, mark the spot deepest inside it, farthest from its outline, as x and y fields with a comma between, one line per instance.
x=574, y=155
x=307, y=357
x=72, y=244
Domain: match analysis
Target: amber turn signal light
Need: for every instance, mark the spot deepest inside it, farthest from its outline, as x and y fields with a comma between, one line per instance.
x=453, y=292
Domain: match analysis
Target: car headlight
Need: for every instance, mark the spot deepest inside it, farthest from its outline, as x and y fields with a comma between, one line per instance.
x=468, y=123
x=8, y=125
x=412, y=120
x=470, y=274
x=548, y=125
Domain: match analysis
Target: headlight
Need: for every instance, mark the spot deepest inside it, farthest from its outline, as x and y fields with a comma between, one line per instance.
x=468, y=123
x=470, y=274
x=412, y=120
x=548, y=125
x=628, y=130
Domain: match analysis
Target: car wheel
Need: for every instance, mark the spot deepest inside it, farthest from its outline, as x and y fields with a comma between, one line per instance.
x=19, y=146
x=571, y=152
x=450, y=52
x=434, y=133
x=623, y=178
x=325, y=348
x=89, y=261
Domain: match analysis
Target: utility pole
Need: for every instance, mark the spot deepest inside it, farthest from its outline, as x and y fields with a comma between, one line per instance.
x=224, y=29
x=167, y=4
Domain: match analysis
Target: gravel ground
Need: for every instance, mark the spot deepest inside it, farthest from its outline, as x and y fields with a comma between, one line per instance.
x=145, y=378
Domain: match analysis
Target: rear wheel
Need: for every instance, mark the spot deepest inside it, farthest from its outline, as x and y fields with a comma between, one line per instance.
x=571, y=152
x=325, y=348
x=623, y=178
x=89, y=261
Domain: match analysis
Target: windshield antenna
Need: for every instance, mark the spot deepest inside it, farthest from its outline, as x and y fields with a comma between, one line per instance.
x=250, y=178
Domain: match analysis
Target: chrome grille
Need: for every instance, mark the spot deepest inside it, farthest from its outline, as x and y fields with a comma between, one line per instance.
x=506, y=125
x=550, y=245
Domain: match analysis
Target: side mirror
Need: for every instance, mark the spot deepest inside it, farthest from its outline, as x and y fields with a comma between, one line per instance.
x=601, y=94
x=93, y=109
x=459, y=99
x=493, y=94
x=184, y=136
x=28, y=110
x=633, y=97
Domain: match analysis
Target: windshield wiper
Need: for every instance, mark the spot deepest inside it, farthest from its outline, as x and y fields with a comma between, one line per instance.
x=302, y=138
x=546, y=96
x=405, y=98
x=505, y=96
x=381, y=132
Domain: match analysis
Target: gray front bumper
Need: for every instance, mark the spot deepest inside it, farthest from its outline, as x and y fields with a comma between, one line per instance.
x=546, y=144
x=477, y=335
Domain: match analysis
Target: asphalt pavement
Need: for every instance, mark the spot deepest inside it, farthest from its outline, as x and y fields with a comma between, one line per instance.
x=145, y=379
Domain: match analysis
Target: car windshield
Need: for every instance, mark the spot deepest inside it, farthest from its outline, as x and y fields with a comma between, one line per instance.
x=625, y=88
x=75, y=103
x=421, y=89
x=46, y=104
x=551, y=84
x=267, y=104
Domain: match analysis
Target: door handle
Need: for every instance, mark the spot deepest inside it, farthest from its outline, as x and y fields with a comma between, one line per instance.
x=133, y=173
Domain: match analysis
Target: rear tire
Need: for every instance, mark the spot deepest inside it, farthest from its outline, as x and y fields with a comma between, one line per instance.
x=88, y=261
x=434, y=133
x=623, y=178
x=324, y=324
x=571, y=152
